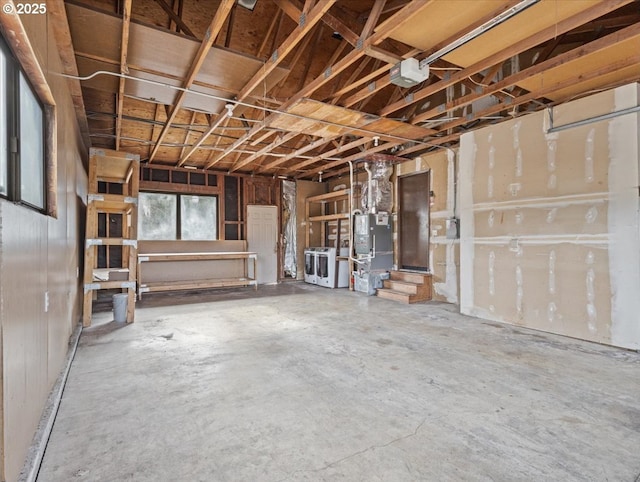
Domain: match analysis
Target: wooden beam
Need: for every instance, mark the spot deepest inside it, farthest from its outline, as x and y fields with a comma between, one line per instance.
x=179, y=22
x=278, y=142
x=267, y=36
x=371, y=150
x=380, y=34
x=372, y=19
x=337, y=150
x=310, y=57
x=294, y=11
x=12, y=28
x=595, y=46
x=210, y=36
x=58, y=20
x=287, y=46
x=227, y=40
x=561, y=27
x=310, y=146
x=124, y=69
x=188, y=133
x=356, y=73
x=580, y=77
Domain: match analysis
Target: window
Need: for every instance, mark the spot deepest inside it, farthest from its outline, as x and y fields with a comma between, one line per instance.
x=22, y=136
x=177, y=216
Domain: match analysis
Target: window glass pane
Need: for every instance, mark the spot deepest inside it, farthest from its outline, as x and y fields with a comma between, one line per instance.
x=198, y=217
x=157, y=216
x=4, y=118
x=31, y=147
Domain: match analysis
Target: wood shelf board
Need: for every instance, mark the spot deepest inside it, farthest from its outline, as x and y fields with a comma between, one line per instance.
x=194, y=256
x=194, y=285
x=329, y=217
x=328, y=196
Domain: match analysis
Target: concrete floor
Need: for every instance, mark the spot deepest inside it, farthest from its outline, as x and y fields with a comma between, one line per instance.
x=297, y=382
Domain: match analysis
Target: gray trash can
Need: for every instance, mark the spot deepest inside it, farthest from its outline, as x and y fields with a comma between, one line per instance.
x=120, y=307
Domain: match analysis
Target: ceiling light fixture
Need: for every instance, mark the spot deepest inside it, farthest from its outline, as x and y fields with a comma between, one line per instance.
x=410, y=72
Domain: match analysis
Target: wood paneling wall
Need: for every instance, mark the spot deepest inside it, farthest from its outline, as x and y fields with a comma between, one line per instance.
x=39, y=266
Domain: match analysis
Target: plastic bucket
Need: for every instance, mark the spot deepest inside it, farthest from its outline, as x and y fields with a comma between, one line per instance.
x=120, y=307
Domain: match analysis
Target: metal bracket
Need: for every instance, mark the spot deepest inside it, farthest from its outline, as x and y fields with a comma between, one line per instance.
x=90, y=287
x=303, y=19
x=327, y=72
x=93, y=242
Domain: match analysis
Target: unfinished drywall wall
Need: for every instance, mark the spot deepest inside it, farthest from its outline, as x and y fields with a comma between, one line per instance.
x=39, y=259
x=549, y=221
x=443, y=251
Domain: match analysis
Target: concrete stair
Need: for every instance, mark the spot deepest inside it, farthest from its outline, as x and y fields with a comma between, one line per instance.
x=406, y=287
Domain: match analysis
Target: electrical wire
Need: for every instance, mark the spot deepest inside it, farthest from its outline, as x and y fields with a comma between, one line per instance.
x=236, y=103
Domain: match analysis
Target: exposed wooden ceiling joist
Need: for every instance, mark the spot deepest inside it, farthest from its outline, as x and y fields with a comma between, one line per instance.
x=210, y=37
x=279, y=124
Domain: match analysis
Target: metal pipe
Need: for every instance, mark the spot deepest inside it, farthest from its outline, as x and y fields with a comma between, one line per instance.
x=591, y=120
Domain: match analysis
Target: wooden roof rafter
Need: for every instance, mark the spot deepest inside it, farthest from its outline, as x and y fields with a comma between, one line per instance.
x=280, y=140
x=276, y=58
x=562, y=26
x=124, y=69
x=538, y=68
x=176, y=18
x=309, y=147
x=375, y=38
x=212, y=32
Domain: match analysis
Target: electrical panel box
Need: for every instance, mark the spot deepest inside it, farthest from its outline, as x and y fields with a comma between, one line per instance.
x=453, y=228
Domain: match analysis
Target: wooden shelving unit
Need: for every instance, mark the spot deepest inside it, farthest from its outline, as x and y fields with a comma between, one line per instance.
x=111, y=167
x=333, y=215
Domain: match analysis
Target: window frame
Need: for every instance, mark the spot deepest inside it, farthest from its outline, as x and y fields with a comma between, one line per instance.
x=14, y=72
x=178, y=218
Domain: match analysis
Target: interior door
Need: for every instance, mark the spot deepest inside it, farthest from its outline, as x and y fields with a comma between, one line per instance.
x=262, y=238
x=413, y=193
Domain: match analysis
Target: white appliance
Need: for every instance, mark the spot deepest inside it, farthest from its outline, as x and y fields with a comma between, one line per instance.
x=320, y=267
x=310, y=266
